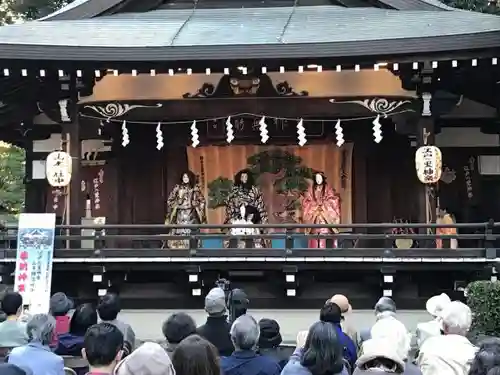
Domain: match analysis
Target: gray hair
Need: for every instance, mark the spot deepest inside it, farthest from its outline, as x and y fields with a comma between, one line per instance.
x=385, y=304
x=40, y=328
x=245, y=333
x=456, y=318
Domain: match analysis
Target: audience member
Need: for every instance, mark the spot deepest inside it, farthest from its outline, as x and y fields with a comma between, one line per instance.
x=176, y=328
x=331, y=313
x=379, y=356
x=12, y=331
x=487, y=359
x=238, y=304
x=451, y=352
x=60, y=305
x=384, y=308
x=216, y=328
x=71, y=343
x=37, y=355
x=148, y=359
x=103, y=348
x=318, y=352
x=108, y=310
x=245, y=360
x=434, y=307
x=10, y=369
x=341, y=301
x=270, y=340
x=196, y=356
x=394, y=338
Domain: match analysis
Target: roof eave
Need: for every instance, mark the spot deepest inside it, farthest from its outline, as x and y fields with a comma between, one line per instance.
x=403, y=49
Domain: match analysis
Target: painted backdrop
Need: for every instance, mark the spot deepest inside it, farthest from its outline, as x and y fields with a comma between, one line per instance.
x=282, y=172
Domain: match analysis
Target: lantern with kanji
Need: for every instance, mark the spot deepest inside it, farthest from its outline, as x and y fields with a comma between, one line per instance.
x=58, y=169
x=428, y=164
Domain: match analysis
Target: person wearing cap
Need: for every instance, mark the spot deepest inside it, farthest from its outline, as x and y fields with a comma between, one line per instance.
x=450, y=353
x=394, y=336
x=59, y=307
x=149, y=358
x=341, y=301
x=434, y=307
x=238, y=304
x=381, y=357
x=216, y=328
x=270, y=340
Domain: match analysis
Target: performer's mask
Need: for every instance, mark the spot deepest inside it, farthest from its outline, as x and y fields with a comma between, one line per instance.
x=244, y=178
x=318, y=178
x=185, y=178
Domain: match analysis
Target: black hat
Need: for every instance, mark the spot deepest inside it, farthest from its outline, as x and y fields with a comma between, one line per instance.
x=239, y=298
x=270, y=336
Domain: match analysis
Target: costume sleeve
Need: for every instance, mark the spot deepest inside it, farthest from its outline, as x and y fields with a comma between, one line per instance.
x=308, y=207
x=261, y=206
x=200, y=204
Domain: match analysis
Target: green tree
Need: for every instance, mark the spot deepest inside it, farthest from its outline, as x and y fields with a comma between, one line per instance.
x=12, y=10
x=484, y=6
x=12, y=166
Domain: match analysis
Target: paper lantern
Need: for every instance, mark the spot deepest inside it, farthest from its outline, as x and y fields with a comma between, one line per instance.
x=58, y=169
x=428, y=164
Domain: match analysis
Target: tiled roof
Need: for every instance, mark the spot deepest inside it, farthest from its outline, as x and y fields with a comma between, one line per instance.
x=321, y=31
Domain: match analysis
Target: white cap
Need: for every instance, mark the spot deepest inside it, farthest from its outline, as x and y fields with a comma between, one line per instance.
x=436, y=304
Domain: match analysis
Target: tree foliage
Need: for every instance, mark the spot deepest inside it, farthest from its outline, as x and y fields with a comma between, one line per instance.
x=12, y=165
x=483, y=297
x=14, y=10
x=483, y=6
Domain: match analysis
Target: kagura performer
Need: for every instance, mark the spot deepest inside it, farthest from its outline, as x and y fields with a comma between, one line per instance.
x=446, y=219
x=185, y=205
x=320, y=205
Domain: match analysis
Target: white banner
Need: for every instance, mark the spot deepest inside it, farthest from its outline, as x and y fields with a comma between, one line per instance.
x=35, y=250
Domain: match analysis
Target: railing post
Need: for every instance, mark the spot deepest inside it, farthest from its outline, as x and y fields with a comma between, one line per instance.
x=288, y=241
x=489, y=241
x=194, y=242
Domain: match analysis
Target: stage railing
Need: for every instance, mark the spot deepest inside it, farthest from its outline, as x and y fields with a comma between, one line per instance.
x=473, y=240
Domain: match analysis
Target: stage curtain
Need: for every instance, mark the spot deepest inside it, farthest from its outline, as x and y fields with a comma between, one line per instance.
x=212, y=162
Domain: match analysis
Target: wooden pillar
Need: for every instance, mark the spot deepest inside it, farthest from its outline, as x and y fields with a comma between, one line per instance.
x=71, y=134
x=427, y=196
x=31, y=201
x=71, y=138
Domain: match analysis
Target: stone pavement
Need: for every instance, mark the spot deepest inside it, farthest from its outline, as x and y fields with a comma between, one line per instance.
x=147, y=323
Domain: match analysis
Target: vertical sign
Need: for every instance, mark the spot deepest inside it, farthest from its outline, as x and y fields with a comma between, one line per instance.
x=35, y=249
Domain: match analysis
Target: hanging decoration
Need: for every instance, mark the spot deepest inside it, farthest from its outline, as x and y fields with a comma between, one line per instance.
x=58, y=169
x=428, y=164
x=97, y=182
x=229, y=130
x=125, y=136
x=377, y=130
x=301, y=133
x=260, y=125
x=195, y=138
x=57, y=193
x=264, y=135
x=159, y=137
x=339, y=134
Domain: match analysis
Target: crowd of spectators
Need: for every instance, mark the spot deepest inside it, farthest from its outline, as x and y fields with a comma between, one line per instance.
x=93, y=340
